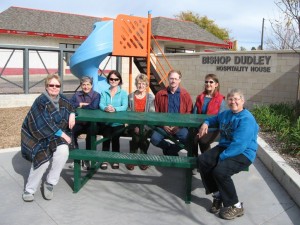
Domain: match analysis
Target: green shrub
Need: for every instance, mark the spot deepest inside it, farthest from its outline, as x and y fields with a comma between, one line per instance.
x=283, y=120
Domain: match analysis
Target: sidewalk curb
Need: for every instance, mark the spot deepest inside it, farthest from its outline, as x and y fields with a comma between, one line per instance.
x=21, y=100
x=285, y=174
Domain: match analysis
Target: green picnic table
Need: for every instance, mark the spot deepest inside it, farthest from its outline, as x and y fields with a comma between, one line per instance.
x=151, y=119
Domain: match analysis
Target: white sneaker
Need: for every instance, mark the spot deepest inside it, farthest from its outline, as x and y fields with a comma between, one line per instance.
x=27, y=197
x=48, y=190
x=71, y=166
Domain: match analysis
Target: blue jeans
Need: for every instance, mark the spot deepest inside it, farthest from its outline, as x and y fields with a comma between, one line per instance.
x=158, y=140
x=216, y=174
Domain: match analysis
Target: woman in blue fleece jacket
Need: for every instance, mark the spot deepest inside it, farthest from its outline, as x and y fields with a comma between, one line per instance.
x=234, y=153
x=113, y=100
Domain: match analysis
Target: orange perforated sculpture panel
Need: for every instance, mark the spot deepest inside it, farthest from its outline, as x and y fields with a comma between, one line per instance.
x=130, y=36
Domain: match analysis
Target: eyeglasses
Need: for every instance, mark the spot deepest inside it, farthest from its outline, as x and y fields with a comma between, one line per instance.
x=114, y=79
x=209, y=81
x=233, y=99
x=174, y=79
x=54, y=85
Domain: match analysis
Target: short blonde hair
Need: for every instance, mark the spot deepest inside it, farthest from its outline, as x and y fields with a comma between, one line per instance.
x=50, y=77
x=141, y=78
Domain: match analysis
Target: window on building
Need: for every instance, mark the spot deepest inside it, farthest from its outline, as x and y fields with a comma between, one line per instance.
x=177, y=50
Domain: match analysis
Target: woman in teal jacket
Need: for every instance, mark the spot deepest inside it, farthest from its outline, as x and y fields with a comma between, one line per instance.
x=113, y=100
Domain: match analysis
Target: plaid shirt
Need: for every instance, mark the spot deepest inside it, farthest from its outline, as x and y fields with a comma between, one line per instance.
x=38, y=139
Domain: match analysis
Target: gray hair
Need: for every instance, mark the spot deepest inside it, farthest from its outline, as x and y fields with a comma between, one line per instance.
x=236, y=91
x=86, y=79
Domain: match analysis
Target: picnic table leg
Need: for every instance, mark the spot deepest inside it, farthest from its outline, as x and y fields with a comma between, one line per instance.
x=77, y=176
x=190, y=148
x=188, y=186
x=93, y=135
x=93, y=143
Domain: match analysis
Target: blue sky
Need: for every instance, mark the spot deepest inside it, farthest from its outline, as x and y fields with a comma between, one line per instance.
x=242, y=18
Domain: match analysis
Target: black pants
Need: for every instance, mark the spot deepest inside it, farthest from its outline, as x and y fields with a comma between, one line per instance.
x=206, y=140
x=139, y=141
x=82, y=128
x=107, y=132
x=216, y=174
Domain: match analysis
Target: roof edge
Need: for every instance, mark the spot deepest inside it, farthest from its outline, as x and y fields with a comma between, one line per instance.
x=41, y=34
x=163, y=38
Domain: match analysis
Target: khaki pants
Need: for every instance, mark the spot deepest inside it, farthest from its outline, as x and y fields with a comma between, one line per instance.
x=60, y=157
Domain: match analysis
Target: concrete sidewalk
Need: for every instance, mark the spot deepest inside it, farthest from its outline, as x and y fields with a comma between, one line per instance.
x=154, y=196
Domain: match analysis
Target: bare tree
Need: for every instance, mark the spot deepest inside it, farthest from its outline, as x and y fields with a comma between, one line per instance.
x=286, y=33
x=291, y=9
x=286, y=29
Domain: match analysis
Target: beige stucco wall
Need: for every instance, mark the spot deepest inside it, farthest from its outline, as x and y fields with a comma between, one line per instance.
x=280, y=84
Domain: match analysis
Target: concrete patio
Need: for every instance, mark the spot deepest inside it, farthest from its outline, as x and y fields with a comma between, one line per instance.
x=154, y=196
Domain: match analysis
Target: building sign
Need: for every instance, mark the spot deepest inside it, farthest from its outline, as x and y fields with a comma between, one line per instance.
x=239, y=63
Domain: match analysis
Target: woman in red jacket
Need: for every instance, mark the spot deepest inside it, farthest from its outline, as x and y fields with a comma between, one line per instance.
x=210, y=101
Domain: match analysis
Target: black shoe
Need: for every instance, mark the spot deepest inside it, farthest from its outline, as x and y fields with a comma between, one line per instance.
x=73, y=146
x=115, y=166
x=104, y=165
x=216, y=205
x=171, y=150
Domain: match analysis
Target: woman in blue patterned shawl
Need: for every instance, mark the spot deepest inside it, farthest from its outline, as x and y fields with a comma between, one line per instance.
x=45, y=135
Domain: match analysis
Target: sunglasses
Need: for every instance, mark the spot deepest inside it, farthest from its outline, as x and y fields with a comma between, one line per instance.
x=209, y=81
x=233, y=99
x=114, y=79
x=54, y=85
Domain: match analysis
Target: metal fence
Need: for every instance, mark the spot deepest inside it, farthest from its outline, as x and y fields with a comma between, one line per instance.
x=27, y=83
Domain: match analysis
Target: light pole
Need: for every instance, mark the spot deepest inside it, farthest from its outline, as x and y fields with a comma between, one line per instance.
x=262, y=34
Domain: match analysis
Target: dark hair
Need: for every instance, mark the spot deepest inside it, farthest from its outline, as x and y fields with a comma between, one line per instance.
x=115, y=72
x=215, y=79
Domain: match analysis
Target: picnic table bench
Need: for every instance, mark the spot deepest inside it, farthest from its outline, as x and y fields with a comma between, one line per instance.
x=152, y=119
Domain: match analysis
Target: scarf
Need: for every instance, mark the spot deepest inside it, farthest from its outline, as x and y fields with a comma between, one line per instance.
x=54, y=101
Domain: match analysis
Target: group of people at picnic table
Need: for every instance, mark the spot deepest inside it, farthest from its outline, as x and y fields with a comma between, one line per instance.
x=49, y=130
